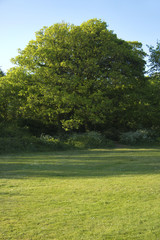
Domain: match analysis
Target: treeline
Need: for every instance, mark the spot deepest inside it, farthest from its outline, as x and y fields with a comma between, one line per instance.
x=79, y=79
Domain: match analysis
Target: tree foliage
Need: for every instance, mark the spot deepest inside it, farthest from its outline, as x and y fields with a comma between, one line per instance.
x=151, y=96
x=154, y=59
x=76, y=76
x=1, y=73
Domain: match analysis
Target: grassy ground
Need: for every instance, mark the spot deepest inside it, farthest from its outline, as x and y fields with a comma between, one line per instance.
x=90, y=195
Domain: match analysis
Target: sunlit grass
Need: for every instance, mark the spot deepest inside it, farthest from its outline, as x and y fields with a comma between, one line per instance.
x=94, y=194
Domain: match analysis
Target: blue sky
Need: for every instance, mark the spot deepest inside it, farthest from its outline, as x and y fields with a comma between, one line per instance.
x=131, y=20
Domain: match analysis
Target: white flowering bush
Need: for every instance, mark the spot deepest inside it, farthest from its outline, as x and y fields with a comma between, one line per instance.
x=139, y=136
x=49, y=139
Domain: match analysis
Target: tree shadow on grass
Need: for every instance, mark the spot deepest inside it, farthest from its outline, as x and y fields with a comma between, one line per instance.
x=87, y=163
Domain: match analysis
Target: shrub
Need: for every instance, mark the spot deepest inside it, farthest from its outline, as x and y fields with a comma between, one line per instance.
x=138, y=137
x=29, y=144
x=89, y=140
x=14, y=144
x=53, y=143
x=112, y=133
x=8, y=130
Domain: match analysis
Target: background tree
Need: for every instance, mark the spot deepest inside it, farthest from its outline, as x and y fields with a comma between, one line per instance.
x=151, y=92
x=2, y=97
x=154, y=59
x=1, y=73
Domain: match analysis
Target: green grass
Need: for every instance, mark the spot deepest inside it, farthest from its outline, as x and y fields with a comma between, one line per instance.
x=87, y=194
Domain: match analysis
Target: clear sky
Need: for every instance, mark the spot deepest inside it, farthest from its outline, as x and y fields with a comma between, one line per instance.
x=131, y=20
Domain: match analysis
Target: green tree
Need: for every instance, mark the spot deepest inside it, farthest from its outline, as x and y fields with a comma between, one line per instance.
x=3, y=100
x=154, y=59
x=151, y=93
x=76, y=76
x=1, y=73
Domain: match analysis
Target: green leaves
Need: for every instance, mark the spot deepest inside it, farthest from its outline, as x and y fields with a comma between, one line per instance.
x=1, y=73
x=154, y=59
x=69, y=75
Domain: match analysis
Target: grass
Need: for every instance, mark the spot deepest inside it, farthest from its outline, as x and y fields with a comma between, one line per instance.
x=87, y=194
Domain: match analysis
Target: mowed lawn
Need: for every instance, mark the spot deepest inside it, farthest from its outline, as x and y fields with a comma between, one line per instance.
x=87, y=194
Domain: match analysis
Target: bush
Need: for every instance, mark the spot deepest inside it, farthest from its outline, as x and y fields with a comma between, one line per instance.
x=54, y=143
x=29, y=144
x=138, y=137
x=10, y=143
x=8, y=130
x=112, y=133
x=13, y=144
x=89, y=140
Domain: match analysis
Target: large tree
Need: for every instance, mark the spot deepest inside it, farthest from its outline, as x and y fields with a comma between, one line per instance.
x=72, y=76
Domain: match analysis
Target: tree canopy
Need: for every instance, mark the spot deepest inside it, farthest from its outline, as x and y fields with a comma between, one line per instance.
x=76, y=77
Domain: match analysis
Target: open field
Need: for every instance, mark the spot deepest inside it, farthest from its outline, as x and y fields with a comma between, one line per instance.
x=88, y=194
